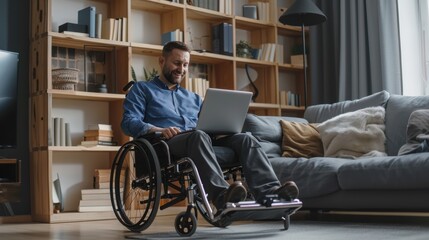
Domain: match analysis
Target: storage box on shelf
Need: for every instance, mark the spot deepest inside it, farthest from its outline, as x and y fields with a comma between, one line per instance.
x=140, y=50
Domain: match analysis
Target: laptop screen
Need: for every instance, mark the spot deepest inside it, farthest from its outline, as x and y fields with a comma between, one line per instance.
x=223, y=111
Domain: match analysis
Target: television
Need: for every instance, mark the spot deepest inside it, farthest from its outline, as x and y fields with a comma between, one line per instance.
x=8, y=99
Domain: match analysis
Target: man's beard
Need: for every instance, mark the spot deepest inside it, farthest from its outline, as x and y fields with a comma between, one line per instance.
x=169, y=76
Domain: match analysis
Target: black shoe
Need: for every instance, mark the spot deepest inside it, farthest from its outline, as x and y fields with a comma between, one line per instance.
x=288, y=191
x=236, y=192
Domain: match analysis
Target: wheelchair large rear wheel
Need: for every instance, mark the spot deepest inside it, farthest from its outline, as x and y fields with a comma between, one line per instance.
x=135, y=185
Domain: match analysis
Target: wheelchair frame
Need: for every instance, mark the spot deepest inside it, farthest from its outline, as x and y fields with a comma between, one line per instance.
x=135, y=191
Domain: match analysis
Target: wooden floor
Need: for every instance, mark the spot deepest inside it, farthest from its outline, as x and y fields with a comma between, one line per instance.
x=335, y=227
x=161, y=228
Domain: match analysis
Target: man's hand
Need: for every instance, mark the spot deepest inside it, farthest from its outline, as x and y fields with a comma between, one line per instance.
x=170, y=132
x=167, y=133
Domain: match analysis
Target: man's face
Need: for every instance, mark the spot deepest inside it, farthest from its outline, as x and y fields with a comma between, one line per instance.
x=175, y=66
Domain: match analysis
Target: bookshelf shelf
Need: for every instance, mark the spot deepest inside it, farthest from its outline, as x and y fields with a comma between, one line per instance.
x=288, y=66
x=158, y=6
x=198, y=13
x=83, y=149
x=66, y=40
x=79, y=95
x=249, y=23
x=146, y=21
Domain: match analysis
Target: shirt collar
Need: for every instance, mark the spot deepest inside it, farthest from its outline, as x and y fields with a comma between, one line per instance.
x=162, y=85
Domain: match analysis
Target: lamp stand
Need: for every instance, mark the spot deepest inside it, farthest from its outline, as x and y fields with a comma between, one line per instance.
x=304, y=61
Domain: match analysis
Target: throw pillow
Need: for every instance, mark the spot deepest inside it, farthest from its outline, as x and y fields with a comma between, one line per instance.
x=417, y=131
x=354, y=134
x=300, y=140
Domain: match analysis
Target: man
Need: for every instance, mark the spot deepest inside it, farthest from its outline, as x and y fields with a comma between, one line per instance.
x=161, y=105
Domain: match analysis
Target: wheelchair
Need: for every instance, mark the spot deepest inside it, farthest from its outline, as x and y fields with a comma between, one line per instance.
x=143, y=175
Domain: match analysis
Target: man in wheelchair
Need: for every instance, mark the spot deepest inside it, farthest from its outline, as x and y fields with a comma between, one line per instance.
x=161, y=105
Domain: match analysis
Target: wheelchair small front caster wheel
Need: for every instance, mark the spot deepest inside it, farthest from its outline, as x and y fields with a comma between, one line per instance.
x=185, y=224
x=286, y=221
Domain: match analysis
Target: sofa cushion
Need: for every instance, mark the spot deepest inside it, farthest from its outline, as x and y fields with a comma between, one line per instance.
x=392, y=172
x=300, y=140
x=267, y=130
x=322, y=112
x=398, y=111
x=314, y=176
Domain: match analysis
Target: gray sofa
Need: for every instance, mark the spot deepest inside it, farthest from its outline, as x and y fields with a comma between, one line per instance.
x=389, y=183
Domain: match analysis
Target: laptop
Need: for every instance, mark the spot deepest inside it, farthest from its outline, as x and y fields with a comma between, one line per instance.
x=223, y=111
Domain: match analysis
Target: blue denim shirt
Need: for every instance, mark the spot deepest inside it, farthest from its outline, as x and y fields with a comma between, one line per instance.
x=150, y=104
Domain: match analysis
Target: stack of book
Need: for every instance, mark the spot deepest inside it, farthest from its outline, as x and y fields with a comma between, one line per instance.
x=198, y=85
x=222, y=39
x=98, y=134
x=288, y=98
x=102, y=178
x=115, y=29
x=95, y=200
x=98, y=198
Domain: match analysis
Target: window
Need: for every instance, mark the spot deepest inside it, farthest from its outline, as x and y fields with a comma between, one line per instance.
x=414, y=38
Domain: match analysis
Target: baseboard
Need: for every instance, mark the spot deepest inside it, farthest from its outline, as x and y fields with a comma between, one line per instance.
x=15, y=219
x=375, y=213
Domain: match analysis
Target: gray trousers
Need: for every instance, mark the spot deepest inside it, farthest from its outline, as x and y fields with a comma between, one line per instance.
x=198, y=146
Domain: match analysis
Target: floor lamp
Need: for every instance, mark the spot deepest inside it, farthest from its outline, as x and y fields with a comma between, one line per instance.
x=303, y=13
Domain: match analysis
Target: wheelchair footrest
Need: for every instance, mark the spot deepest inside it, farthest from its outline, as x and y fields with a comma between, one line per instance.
x=272, y=209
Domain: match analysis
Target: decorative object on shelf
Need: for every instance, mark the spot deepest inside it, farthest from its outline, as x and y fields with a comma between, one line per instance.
x=255, y=89
x=303, y=13
x=100, y=76
x=250, y=11
x=244, y=50
x=65, y=78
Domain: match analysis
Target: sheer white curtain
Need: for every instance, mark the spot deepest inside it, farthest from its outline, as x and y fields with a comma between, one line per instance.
x=414, y=37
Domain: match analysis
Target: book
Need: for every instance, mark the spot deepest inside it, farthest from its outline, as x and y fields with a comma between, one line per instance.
x=91, y=191
x=99, y=126
x=78, y=34
x=96, y=194
x=91, y=133
x=98, y=25
x=176, y=35
x=95, y=208
x=68, y=135
x=98, y=143
x=73, y=27
x=103, y=175
x=124, y=36
x=98, y=138
x=222, y=34
x=108, y=25
x=62, y=132
x=57, y=132
x=87, y=17
x=96, y=202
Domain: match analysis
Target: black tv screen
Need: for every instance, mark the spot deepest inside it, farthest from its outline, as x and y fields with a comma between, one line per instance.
x=8, y=99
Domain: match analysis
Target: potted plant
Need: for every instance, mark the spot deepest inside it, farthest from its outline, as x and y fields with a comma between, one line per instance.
x=243, y=50
x=148, y=75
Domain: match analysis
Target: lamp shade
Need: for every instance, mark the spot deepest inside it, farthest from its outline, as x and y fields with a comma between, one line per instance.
x=302, y=12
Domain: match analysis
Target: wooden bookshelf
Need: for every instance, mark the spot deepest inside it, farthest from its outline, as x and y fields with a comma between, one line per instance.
x=139, y=51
